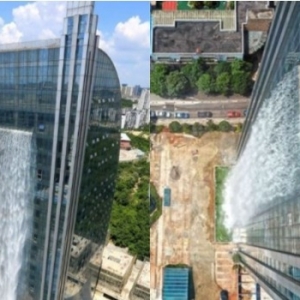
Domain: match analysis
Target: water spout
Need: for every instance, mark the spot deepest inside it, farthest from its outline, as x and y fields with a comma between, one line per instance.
x=16, y=201
x=267, y=172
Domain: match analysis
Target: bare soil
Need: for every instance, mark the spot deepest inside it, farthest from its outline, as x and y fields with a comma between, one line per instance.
x=185, y=232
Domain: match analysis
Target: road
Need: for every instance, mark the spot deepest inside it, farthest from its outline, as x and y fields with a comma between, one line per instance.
x=218, y=108
x=203, y=121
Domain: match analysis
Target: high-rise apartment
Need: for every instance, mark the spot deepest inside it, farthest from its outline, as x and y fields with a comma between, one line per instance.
x=269, y=147
x=59, y=148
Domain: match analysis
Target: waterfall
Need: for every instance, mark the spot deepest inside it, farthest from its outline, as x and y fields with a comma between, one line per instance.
x=267, y=171
x=16, y=202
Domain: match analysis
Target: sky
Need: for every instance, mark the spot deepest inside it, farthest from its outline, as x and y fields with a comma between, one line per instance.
x=123, y=26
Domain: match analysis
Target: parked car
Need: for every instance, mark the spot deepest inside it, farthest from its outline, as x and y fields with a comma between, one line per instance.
x=233, y=114
x=224, y=295
x=182, y=115
x=205, y=114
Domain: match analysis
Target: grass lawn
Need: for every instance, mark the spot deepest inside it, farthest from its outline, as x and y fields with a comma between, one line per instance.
x=222, y=235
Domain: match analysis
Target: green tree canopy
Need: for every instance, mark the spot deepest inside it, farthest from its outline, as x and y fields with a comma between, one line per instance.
x=211, y=126
x=187, y=128
x=222, y=67
x=158, y=79
x=241, y=82
x=223, y=83
x=224, y=126
x=177, y=84
x=206, y=83
x=175, y=126
x=240, y=65
x=198, y=129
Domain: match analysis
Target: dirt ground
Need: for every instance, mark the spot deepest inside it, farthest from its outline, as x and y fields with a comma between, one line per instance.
x=184, y=234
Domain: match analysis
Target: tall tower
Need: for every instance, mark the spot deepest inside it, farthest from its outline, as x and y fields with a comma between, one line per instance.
x=65, y=94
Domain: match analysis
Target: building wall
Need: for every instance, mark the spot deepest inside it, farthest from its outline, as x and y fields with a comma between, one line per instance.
x=272, y=234
x=68, y=96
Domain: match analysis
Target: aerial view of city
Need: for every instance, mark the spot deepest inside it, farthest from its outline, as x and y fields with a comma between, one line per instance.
x=224, y=158
x=150, y=150
x=74, y=145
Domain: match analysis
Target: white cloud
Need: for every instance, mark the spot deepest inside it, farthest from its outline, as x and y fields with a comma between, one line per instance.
x=128, y=45
x=33, y=21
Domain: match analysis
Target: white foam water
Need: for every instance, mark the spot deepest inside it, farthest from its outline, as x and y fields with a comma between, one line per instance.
x=16, y=201
x=268, y=169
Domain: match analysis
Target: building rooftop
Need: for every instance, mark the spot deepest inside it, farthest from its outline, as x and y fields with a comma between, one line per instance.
x=52, y=43
x=113, y=259
x=78, y=245
x=191, y=36
x=144, y=277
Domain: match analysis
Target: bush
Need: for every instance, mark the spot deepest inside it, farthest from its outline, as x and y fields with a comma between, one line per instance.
x=187, y=128
x=224, y=126
x=211, y=126
x=175, y=126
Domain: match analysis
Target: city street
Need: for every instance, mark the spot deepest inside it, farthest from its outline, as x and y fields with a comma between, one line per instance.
x=218, y=108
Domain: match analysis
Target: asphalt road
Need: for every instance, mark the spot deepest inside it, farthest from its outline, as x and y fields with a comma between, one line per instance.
x=219, y=109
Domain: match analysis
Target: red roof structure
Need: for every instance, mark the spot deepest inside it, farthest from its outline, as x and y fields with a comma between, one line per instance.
x=169, y=5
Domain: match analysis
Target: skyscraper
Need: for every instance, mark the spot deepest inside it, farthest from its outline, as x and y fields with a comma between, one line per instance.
x=59, y=146
x=265, y=180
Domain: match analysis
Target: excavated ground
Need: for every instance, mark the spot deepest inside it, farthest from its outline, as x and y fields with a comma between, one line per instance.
x=184, y=234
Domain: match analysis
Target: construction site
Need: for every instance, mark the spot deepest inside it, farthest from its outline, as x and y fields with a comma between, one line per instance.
x=185, y=232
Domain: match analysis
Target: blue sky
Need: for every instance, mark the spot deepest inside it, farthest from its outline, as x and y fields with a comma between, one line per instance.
x=123, y=28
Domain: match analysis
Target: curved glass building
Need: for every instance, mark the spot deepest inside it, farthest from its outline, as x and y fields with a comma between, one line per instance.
x=59, y=148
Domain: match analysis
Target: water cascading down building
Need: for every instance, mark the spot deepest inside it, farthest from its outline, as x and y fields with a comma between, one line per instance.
x=263, y=189
x=59, y=148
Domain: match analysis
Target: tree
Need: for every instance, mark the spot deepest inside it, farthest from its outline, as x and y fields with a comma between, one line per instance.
x=223, y=83
x=240, y=65
x=206, y=83
x=177, y=84
x=187, y=128
x=198, y=129
x=158, y=79
x=194, y=70
x=241, y=82
x=222, y=67
x=175, y=126
x=211, y=126
x=224, y=126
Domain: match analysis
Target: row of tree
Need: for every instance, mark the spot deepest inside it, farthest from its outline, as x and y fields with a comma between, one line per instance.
x=223, y=78
x=197, y=129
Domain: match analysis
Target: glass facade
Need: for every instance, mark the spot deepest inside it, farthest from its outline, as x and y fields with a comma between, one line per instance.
x=272, y=249
x=66, y=93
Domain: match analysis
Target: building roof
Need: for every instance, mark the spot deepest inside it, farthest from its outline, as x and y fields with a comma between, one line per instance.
x=258, y=25
x=113, y=259
x=42, y=44
x=144, y=277
x=188, y=36
x=125, y=137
